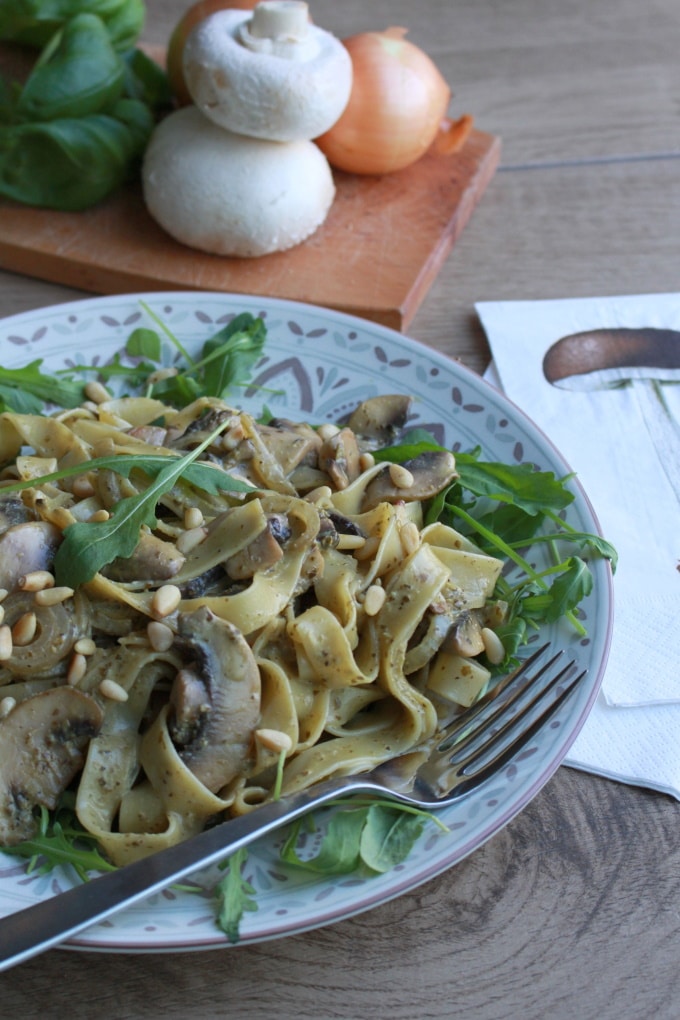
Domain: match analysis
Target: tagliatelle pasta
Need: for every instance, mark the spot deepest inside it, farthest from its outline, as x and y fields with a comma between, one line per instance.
x=309, y=617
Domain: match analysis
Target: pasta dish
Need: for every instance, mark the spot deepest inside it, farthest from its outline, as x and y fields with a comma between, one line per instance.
x=292, y=617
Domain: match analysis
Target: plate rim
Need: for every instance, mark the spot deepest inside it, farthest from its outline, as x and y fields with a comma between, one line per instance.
x=459, y=852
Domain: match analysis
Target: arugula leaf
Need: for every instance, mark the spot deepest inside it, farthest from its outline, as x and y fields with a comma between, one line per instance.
x=340, y=851
x=229, y=355
x=208, y=477
x=19, y=384
x=377, y=834
x=235, y=896
x=144, y=343
x=90, y=545
x=519, y=484
x=388, y=836
x=573, y=584
x=61, y=840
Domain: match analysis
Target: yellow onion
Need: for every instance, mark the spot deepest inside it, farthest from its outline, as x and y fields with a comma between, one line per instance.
x=397, y=103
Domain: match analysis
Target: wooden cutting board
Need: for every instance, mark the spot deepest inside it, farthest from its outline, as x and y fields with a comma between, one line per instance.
x=376, y=255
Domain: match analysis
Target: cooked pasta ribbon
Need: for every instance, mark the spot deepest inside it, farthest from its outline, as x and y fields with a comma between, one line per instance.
x=311, y=615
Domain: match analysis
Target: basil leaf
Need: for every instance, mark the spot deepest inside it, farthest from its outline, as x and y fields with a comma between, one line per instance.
x=72, y=164
x=81, y=75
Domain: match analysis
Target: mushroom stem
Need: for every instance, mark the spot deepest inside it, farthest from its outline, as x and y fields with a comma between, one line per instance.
x=279, y=28
x=280, y=19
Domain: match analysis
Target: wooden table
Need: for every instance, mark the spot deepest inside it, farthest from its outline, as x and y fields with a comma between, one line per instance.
x=573, y=910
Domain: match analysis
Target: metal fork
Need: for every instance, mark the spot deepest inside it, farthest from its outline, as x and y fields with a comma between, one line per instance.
x=477, y=744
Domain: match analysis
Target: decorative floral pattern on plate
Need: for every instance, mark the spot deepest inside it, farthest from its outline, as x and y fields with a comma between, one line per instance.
x=318, y=365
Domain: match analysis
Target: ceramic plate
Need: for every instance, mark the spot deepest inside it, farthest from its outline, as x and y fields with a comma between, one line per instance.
x=318, y=365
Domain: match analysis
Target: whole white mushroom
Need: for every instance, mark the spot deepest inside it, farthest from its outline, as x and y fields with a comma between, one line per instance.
x=229, y=194
x=269, y=73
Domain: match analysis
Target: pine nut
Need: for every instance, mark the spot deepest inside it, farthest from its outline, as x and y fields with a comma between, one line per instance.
x=112, y=690
x=274, y=740
x=193, y=518
x=2, y=614
x=160, y=374
x=493, y=646
x=320, y=495
x=165, y=600
x=36, y=580
x=99, y=515
x=83, y=487
x=410, y=537
x=53, y=596
x=327, y=431
x=188, y=540
x=351, y=542
x=369, y=549
x=24, y=630
x=6, y=706
x=160, y=636
x=366, y=461
x=6, y=646
x=97, y=393
x=3, y=594
x=77, y=669
x=232, y=437
x=374, y=600
x=85, y=646
x=401, y=477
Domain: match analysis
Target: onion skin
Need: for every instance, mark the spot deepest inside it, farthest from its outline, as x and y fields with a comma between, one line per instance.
x=196, y=13
x=398, y=101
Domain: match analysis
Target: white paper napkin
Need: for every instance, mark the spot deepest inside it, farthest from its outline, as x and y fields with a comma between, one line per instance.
x=633, y=732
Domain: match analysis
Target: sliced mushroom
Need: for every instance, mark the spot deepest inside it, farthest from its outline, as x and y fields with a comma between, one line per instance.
x=291, y=444
x=381, y=418
x=153, y=559
x=43, y=743
x=432, y=471
x=340, y=457
x=13, y=511
x=263, y=552
x=465, y=636
x=25, y=548
x=58, y=627
x=222, y=662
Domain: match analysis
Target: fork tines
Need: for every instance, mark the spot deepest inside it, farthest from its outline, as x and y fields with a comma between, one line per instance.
x=495, y=729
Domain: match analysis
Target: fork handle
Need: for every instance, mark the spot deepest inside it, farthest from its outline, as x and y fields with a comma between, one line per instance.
x=30, y=931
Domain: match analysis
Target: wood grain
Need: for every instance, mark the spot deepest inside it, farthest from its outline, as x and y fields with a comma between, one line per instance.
x=572, y=912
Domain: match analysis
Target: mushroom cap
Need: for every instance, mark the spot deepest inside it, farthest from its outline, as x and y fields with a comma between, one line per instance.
x=225, y=670
x=230, y=195
x=264, y=94
x=44, y=740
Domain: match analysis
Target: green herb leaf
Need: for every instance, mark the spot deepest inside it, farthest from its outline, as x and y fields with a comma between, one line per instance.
x=569, y=588
x=520, y=484
x=340, y=850
x=388, y=836
x=20, y=383
x=61, y=840
x=81, y=73
x=235, y=896
x=229, y=355
x=208, y=477
x=144, y=343
x=90, y=545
